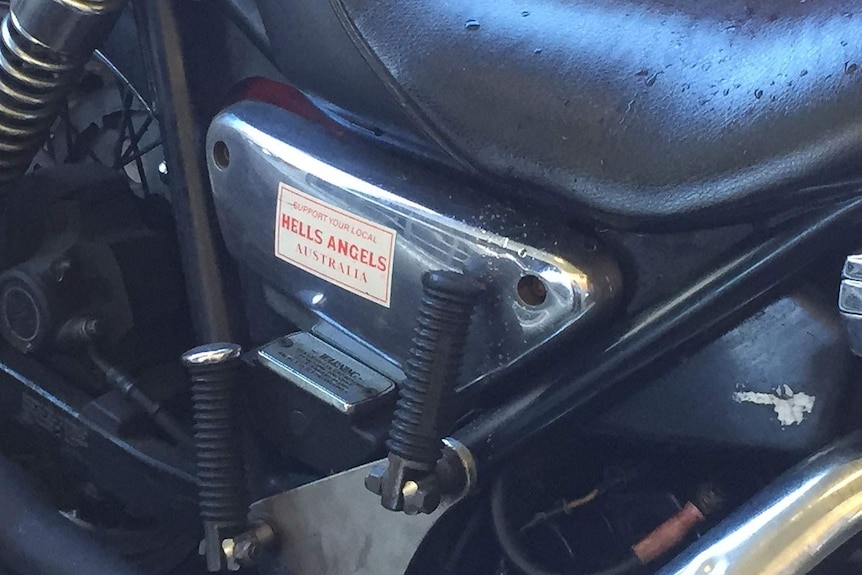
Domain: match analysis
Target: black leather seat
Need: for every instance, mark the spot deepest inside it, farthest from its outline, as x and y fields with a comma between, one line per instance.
x=651, y=109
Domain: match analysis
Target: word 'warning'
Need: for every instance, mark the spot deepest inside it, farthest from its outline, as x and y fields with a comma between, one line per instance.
x=342, y=248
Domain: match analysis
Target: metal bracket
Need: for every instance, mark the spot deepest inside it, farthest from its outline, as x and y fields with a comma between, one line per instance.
x=335, y=527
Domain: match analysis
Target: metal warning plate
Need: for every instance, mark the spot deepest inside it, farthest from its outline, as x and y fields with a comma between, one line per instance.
x=325, y=372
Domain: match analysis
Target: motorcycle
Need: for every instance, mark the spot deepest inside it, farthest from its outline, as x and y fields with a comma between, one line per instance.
x=386, y=288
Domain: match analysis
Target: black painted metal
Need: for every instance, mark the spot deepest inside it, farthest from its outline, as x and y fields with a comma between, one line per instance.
x=245, y=15
x=35, y=539
x=189, y=183
x=796, y=344
x=130, y=389
x=148, y=475
x=564, y=388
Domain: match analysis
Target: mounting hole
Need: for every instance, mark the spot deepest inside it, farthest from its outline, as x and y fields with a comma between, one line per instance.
x=532, y=290
x=221, y=155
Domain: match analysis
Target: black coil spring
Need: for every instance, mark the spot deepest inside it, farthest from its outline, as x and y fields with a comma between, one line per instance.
x=34, y=80
x=434, y=365
x=221, y=474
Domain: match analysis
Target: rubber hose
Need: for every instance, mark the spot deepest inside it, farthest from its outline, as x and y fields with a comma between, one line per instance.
x=36, y=540
x=514, y=551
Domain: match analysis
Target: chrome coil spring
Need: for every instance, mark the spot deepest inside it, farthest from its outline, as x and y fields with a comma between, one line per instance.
x=34, y=82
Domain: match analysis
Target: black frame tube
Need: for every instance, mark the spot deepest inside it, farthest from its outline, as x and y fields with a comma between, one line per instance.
x=37, y=540
x=563, y=389
x=191, y=198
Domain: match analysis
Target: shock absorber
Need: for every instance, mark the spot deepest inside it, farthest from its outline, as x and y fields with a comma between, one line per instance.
x=214, y=370
x=44, y=45
x=407, y=483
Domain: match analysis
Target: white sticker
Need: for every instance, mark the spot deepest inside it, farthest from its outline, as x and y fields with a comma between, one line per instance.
x=332, y=244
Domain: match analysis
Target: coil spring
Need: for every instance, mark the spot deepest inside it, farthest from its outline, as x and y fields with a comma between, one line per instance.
x=434, y=365
x=221, y=480
x=34, y=80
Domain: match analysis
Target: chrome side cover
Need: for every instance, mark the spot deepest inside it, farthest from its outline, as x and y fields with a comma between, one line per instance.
x=343, y=230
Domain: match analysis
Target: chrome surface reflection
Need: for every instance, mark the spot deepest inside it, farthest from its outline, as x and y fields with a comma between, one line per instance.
x=440, y=223
x=791, y=526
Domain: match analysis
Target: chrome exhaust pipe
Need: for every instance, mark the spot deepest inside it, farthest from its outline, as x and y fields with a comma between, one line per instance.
x=791, y=526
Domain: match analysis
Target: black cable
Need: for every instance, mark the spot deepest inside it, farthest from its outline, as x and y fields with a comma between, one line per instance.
x=508, y=537
x=460, y=547
x=152, y=408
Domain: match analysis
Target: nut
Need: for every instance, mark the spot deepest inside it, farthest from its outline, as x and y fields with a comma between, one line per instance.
x=421, y=497
x=245, y=550
x=374, y=479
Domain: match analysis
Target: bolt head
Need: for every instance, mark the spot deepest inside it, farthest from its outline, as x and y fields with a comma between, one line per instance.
x=163, y=172
x=374, y=479
x=211, y=354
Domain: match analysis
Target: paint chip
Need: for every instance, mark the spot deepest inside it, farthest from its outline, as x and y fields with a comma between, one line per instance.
x=790, y=407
